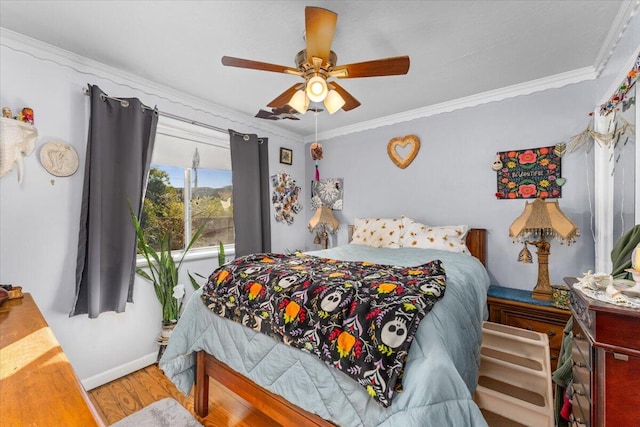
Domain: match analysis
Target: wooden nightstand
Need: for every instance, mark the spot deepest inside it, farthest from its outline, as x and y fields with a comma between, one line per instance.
x=515, y=307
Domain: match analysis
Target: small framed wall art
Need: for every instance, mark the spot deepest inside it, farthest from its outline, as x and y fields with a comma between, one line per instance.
x=286, y=156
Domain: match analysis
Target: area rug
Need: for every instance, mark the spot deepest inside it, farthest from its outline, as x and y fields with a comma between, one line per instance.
x=163, y=413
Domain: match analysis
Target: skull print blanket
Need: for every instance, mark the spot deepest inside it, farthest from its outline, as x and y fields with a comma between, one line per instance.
x=359, y=317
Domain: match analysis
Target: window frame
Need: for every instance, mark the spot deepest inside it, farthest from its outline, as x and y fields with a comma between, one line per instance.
x=183, y=130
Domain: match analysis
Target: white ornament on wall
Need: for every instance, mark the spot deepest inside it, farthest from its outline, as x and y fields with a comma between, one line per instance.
x=16, y=139
x=59, y=158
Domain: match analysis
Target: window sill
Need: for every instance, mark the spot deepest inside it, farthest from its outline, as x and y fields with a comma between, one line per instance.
x=194, y=255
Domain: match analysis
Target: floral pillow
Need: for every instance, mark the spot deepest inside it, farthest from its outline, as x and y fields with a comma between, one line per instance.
x=377, y=232
x=410, y=230
x=449, y=238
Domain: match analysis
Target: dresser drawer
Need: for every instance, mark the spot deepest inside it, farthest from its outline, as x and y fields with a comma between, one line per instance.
x=582, y=380
x=581, y=349
x=581, y=314
x=581, y=411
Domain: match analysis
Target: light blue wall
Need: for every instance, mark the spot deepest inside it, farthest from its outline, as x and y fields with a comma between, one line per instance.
x=39, y=218
x=451, y=181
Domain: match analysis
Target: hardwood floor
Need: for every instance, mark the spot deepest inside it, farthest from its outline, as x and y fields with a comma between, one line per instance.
x=133, y=392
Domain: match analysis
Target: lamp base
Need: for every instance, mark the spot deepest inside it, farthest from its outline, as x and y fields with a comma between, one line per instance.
x=542, y=291
x=542, y=294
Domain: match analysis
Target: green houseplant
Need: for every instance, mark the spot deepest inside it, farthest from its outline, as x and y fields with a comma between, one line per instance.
x=163, y=270
x=221, y=261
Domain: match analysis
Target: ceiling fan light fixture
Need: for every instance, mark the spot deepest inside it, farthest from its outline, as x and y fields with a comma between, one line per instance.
x=317, y=89
x=299, y=101
x=333, y=102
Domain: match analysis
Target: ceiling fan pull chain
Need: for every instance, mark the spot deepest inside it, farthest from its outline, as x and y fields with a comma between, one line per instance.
x=315, y=114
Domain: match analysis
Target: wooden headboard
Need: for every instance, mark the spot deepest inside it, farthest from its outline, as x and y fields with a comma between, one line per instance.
x=476, y=242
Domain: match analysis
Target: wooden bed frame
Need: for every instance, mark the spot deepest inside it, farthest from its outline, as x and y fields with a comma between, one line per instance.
x=273, y=405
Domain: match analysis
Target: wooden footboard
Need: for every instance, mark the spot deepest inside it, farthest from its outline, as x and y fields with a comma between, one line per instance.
x=272, y=405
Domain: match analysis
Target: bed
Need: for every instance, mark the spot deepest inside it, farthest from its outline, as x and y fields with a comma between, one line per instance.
x=295, y=388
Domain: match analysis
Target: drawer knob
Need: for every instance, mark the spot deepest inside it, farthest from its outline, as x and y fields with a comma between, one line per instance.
x=551, y=334
x=619, y=356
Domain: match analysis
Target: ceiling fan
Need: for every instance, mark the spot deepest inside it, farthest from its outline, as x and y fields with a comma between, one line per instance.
x=317, y=63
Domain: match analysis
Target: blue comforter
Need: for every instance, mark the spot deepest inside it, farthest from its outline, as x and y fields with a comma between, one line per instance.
x=440, y=373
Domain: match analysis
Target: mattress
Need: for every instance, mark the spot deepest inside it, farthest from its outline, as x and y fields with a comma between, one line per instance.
x=440, y=372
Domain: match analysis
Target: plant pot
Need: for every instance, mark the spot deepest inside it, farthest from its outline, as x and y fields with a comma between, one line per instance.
x=165, y=332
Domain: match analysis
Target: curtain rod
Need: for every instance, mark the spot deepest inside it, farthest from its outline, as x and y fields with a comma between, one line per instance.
x=125, y=104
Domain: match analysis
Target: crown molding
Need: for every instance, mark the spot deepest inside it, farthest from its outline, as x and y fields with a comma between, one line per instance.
x=620, y=23
x=47, y=52
x=527, y=88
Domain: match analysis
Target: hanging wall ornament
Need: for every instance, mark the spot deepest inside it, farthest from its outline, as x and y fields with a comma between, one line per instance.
x=616, y=128
x=623, y=89
x=497, y=164
x=411, y=141
x=560, y=149
x=316, y=151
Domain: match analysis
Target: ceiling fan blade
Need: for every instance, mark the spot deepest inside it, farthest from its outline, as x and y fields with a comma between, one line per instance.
x=320, y=25
x=230, y=61
x=376, y=68
x=349, y=101
x=282, y=99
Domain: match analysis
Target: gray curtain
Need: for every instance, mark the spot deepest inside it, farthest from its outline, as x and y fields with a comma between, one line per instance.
x=250, y=178
x=117, y=163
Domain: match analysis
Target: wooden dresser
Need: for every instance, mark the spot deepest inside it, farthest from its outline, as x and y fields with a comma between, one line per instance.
x=606, y=363
x=38, y=385
x=515, y=307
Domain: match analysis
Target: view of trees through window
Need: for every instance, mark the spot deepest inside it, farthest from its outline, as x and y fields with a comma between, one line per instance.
x=166, y=208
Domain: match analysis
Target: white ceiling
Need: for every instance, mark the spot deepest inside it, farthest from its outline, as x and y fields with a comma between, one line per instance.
x=457, y=48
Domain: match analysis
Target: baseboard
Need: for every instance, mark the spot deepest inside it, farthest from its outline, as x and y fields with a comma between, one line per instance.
x=118, y=371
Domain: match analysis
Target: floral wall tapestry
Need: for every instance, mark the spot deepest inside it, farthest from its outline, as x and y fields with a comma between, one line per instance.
x=524, y=174
x=285, y=197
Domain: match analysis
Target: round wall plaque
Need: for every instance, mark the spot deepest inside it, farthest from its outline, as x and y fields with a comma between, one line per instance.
x=59, y=158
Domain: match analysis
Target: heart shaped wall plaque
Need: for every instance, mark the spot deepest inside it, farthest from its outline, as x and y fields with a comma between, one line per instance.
x=392, y=149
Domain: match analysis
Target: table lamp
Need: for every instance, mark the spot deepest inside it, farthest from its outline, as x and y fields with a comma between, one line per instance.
x=541, y=220
x=323, y=222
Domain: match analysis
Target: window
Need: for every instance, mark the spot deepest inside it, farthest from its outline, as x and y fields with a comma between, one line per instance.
x=189, y=186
